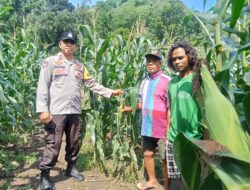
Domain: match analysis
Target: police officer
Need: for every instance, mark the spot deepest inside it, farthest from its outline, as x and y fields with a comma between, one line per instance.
x=59, y=104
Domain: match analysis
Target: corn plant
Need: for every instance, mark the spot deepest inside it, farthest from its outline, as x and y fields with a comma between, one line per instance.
x=223, y=162
x=115, y=63
x=19, y=63
x=227, y=47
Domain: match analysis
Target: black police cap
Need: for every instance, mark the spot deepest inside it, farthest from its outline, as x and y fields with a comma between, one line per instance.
x=68, y=36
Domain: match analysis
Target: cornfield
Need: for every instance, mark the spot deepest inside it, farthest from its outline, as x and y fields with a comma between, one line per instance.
x=117, y=62
x=19, y=68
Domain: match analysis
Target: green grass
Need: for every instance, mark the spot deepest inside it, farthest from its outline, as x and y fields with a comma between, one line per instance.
x=86, y=161
x=16, y=150
x=12, y=161
x=4, y=185
x=86, y=155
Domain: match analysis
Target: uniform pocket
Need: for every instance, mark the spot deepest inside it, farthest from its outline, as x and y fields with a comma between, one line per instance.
x=59, y=75
x=49, y=133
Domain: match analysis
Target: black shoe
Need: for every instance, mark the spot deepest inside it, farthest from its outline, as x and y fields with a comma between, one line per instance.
x=73, y=172
x=45, y=183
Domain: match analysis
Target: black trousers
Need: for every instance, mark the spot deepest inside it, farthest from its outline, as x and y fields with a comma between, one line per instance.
x=71, y=124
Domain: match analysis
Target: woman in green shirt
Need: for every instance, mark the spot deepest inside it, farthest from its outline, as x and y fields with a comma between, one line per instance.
x=183, y=90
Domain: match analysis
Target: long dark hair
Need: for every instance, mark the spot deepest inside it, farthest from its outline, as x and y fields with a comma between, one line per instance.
x=194, y=64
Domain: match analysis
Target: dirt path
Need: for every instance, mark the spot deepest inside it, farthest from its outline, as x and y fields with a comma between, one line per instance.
x=29, y=177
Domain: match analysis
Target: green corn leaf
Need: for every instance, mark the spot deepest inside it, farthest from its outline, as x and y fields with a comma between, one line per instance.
x=246, y=10
x=86, y=29
x=120, y=40
x=99, y=148
x=2, y=62
x=239, y=96
x=244, y=47
x=223, y=78
x=12, y=99
x=140, y=45
x=240, y=34
x=115, y=148
x=247, y=78
x=207, y=18
x=222, y=120
x=133, y=157
x=207, y=165
x=3, y=99
x=204, y=4
x=4, y=10
x=119, y=113
x=220, y=8
x=124, y=151
x=237, y=6
x=133, y=98
x=203, y=26
x=246, y=108
x=91, y=125
x=229, y=45
x=101, y=50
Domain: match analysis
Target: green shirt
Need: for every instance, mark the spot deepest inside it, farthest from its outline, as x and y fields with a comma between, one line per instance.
x=185, y=114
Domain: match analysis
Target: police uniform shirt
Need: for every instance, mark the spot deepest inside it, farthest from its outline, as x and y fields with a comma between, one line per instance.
x=59, y=86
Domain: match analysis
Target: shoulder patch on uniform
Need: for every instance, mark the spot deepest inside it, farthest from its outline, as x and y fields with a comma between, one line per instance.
x=79, y=74
x=86, y=74
x=45, y=64
x=48, y=61
x=77, y=65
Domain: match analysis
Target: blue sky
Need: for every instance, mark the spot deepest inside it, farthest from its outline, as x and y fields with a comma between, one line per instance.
x=198, y=4
x=75, y=2
x=194, y=4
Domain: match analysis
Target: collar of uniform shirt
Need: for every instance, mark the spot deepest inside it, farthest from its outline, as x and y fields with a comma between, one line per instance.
x=70, y=62
x=61, y=56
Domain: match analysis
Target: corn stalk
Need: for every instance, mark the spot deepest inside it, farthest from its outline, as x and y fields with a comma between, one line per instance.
x=115, y=63
x=19, y=64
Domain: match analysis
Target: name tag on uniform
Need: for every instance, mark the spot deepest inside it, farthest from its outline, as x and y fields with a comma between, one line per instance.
x=58, y=62
x=59, y=71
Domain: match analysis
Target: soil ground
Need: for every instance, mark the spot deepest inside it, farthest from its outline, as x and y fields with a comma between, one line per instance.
x=28, y=177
